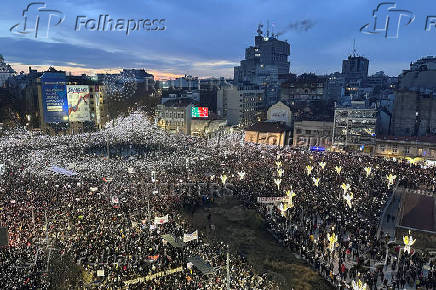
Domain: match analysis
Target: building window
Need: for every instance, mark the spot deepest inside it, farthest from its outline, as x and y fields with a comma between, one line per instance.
x=407, y=150
x=395, y=148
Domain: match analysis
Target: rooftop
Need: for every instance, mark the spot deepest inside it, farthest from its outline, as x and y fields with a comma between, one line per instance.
x=180, y=102
x=419, y=139
x=269, y=127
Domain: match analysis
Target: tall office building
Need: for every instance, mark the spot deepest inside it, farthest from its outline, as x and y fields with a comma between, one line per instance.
x=240, y=105
x=265, y=65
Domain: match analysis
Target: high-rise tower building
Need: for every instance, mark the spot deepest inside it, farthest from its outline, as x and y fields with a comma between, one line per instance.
x=265, y=65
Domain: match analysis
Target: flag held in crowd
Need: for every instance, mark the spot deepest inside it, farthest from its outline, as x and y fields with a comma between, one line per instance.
x=153, y=258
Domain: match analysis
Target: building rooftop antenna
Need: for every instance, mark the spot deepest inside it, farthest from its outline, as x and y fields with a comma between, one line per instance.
x=354, y=48
x=267, y=28
x=272, y=30
x=259, y=29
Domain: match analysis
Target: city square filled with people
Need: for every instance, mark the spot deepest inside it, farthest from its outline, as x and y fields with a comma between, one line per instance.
x=92, y=208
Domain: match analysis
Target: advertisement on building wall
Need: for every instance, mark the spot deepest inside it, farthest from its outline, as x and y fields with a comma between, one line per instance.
x=78, y=103
x=200, y=112
x=54, y=98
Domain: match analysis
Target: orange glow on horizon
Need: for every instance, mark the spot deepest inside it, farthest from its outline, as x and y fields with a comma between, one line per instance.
x=158, y=75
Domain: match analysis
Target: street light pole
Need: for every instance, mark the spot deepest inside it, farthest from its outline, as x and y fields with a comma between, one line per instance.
x=107, y=145
x=228, y=268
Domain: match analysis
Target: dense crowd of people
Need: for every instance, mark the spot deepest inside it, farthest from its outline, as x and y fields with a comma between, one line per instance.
x=96, y=228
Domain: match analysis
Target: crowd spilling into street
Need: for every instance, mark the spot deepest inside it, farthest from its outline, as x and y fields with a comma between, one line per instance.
x=127, y=185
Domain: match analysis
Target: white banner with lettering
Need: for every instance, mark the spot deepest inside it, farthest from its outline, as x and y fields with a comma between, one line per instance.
x=190, y=237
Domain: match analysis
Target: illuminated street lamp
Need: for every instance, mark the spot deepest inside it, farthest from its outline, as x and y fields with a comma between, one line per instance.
x=322, y=164
x=316, y=181
x=241, y=175
x=413, y=161
x=359, y=285
x=278, y=181
x=223, y=179
x=290, y=194
x=408, y=243
x=280, y=172
x=309, y=169
x=345, y=187
x=332, y=240
x=391, y=179
x=338, y=169
x=348, y=197
x=368, y=171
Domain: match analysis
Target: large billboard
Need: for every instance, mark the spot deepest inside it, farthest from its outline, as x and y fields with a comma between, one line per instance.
x=54, y=97
x=200, y=112
x=78, y=103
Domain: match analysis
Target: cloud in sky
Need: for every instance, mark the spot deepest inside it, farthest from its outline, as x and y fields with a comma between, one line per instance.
x=208, y=38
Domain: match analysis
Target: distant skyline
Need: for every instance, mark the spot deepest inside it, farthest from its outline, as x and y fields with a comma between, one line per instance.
x=208, y=38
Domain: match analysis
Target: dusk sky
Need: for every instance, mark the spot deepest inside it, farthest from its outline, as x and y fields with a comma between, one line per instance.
x=208, y=38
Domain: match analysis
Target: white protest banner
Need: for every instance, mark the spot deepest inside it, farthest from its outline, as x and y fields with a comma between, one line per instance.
x=190, y=237
x=161, y=220
x=273, y=199
x=154, y=276
x=62, y=171
x=100, y=273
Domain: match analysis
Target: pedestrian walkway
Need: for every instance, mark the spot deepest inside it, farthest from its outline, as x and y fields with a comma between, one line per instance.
x=388, y=221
